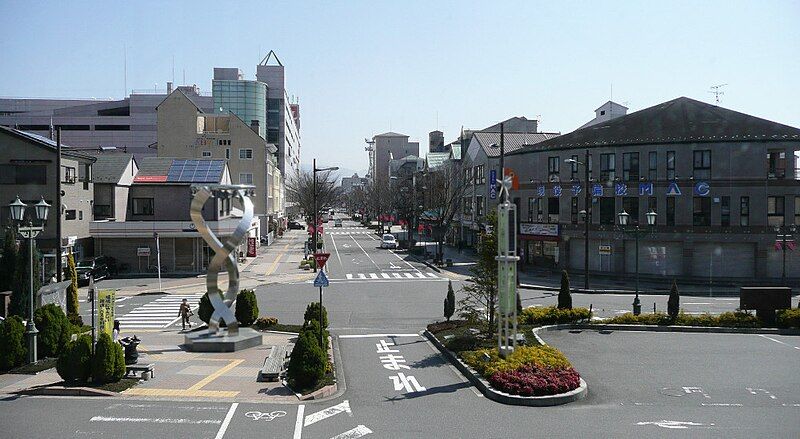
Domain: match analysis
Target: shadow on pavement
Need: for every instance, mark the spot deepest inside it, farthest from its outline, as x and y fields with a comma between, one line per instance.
x=450, y=388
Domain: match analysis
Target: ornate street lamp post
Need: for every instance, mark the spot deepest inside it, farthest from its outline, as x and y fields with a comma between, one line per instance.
x=30, y=232
x=623, y=222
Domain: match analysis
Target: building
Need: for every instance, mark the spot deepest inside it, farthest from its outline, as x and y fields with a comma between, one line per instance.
x=185, y=131
x=158, y=218
x=434, y=160
x=405, y=167
x=604, y=113
x=386, y=147
x=128, y=123
x=28, y=165
x=245, y=99
x=283, y=116
x=112, y=176
x=723, y=185
x=351, y=183
x=436, y=141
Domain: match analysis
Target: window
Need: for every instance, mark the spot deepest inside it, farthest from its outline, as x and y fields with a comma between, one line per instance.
x=776, y=162
x=552, y=168
x=590, y=167
x=797, y=211
x=725, y=211
x=670, y=165
x=652, y=166
x=69, y=214
x=775, y=211
x=553, y=206
x=652, y=206
x=245, y=178
x=102, y=211
x=607, y=214
x=670, y=211
x=574, y=167
x=702, y=165
x=479, y=205
x=245, y=154
x=744, y=211
x=142, y=206
x=479, y=177
x=272, y=135
x=467, y=206
x=227, y=153
x=602, y=112
x=206, y=154
x=70, y=175
x=573, y=211
x=608, y=167
x=631, y=206
x=223, y=142
x=80, y=215
x=532, y=206
x=467, y=176
x=630, y=166
x=701, y=211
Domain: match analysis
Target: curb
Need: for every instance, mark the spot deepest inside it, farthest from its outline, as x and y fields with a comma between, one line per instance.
x=66, y=391
x=631, y=292
x=654, y=328
x=428, y=264
x=502, y=397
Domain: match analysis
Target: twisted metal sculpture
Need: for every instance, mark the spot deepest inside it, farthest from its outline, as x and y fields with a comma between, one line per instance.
x=224, y=251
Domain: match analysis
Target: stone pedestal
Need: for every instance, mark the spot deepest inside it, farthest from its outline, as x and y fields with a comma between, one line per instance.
x=221, y=341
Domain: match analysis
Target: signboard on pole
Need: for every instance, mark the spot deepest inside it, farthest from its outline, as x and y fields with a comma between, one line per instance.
x=251, y=247
x=321, y=259
x=105, y=310
x=143, y=251
x=492, y=184
x=321, y=280
x=507, y=272
x=604, y=249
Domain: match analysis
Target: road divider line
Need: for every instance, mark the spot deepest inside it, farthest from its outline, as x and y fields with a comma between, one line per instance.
x=226, y=421
x=343, y=407
x=365, y=252
x=378, y=335
x=154, y=420
x=298, y=424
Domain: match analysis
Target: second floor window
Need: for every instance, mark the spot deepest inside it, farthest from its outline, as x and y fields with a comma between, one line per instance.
x=142, y=206
x=670, y=165
x=725, y=211
x=70, y=175
x=574, y=167
x=775, y=211
x=652, y=166
x=776, y=164
x=467, y=206
x=467, y=175
x=701, y=211
x=206, y=154
x=479, y=205
x=744, y=211
x=245, y=178
x=552, y=168
x=245, y=154
x=532, y=206
x=608, y=167
x=479, y=176
x=553, y=206
x=630, y=166
x=670, y=211
x=702, y=165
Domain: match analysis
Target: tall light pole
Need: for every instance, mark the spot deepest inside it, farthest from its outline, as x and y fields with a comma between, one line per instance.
x=785, y=234
x=586, y=213
x=30, y=232
x=316, y=215
x=623, y=222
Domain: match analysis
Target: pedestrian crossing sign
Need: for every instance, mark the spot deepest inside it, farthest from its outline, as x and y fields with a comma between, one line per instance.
x=321, y=280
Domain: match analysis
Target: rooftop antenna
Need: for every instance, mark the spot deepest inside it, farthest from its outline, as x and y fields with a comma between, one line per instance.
x=125, y=69
x=173, y=69
x=715, y=90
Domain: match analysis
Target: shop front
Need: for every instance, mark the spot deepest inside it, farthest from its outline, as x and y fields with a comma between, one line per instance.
x=539, y=244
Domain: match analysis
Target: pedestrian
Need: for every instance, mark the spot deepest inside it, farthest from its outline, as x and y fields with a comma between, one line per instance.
x=185, y=312
x=115, y=332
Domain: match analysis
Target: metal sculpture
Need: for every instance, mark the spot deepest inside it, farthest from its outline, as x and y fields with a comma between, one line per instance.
x=224, y=251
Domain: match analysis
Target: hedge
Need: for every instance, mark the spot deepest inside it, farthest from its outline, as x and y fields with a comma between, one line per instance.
x=54, y=330
x=12, y=343
x=265, y=322
x=736, y=319
x=108, y=364
x=789, y=318
x=246, y=307
x=74, y=364
x=308, y=362
x=553, y=315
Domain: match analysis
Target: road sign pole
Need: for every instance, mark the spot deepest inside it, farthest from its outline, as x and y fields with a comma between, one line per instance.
x=321, y=331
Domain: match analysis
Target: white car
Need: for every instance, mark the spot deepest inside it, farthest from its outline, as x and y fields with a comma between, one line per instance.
x=388, y=241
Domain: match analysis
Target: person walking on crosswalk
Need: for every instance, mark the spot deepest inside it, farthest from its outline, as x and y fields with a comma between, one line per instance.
x=185, y=312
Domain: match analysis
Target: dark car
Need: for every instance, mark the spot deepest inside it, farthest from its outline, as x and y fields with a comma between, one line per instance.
x=97, y=267
x=294, y=225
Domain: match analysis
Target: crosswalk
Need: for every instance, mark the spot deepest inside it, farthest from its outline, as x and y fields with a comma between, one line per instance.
x=158, y=314
x=357, y=232
x=392, y=276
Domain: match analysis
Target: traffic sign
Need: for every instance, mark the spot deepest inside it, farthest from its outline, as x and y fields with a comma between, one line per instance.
x=321, y=280
x=321, y=259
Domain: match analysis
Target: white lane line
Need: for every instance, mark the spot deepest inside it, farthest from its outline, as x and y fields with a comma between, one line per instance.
x=385, y=275
x=365, y=252
x=432, y=275
x=397, y=275
x=409, y=275
x=407, y=263
x=373, y=276
x=349, y=276
x=778, y=341
x=361, y=276
x=154, y=420
x=420, y=275
x=343, y=407
x=298, y=424
x=337, y=253
x=355, y=433
x=377, y=335
x=226, y=421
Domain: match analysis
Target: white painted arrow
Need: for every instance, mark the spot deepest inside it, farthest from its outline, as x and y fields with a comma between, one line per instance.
x=355, y=433
x=344, y=406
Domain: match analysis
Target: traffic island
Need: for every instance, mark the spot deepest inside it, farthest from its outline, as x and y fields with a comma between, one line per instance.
x=222, y=341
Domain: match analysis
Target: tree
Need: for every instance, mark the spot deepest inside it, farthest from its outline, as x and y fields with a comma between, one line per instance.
x=312, y=313
x=8, y=261
x=300, y=190
x=72, y=289
x=53, y=327
x=12, y=343
x=449, y=301
x=246, y=307
x=20, y=297
x=307, y=363
x=673, y=303
x=564, y=296
x=480, y=293
x=108, y=364
x=443, y=198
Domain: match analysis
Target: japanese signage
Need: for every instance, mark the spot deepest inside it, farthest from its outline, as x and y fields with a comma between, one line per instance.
x=538, y=229
x=321, y=259
x=392, y=361
x=622, y=189
x=105, y=310
x=143, y=251
x=251, y=247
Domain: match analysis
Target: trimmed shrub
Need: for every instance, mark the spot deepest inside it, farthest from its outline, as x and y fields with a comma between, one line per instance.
x=789, y=318
x=54, y=329
x=543, y=357
x=437, y=327
x=205, y=310
x=108, y=364
x=312, y=326
x=533, y=381
x=312, y=313
x=738, y=319
x=12, y=343
x=564, y=297
x=463, y=342
x=673, y=303
x=246, y=307
x=450, y=301
x=72, y=290
x=553, y=316
x=308, y=362
x=265, y=322
x=74, y=364
x=8, y=260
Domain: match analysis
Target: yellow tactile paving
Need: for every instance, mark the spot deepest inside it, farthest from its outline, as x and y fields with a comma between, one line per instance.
x=215, y=375
x=181, y=392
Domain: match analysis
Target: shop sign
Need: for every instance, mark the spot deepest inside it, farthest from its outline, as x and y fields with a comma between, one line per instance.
x=538, y=229
x=143, y=251
x=492, y=184
x=604, y=249
x=251, y=247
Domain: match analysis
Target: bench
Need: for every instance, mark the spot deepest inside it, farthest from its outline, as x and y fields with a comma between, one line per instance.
x=142, y=368
x=273, y=364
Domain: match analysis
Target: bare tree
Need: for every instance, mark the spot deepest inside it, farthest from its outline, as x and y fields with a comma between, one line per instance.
x=444, y=195
x=300, y=190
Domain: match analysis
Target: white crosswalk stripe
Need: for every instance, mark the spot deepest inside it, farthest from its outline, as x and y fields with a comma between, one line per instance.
x=391, y=276
x=351, y=233
x=158, y=314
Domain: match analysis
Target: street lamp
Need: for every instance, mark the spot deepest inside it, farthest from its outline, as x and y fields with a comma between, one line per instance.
x=30, y=232
x=316, y=215
x=624, y=217
x=586, y=214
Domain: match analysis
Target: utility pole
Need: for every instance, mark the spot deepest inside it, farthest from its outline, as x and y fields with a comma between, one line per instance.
x=587, y=219
x=59, y=268
x=314, y=227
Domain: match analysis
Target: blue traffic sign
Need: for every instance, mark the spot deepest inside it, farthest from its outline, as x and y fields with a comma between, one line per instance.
x=321, y=280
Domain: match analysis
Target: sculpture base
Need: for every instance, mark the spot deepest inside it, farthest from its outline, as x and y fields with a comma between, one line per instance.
x=221, y=341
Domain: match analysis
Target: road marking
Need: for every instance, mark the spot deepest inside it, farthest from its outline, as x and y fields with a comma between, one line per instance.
x=777, y=341
x=274, y=265
x=373, y=276
x=215, y=375
x=408, y=263
x=298, y=424
x=355, y=433
x=182, y=393
x=349, y=276
x=226, y=421
x=698, y=303
x=337, y=253
x=361, y=276
x=420, y=275
x=377, y=335
x=409, y=275
x=721, y=404
x=160, y=313
x=680, y=425
x=343, y=407
x=154, y=420
x=385, y=275
x=365, y=252
x=764, y=391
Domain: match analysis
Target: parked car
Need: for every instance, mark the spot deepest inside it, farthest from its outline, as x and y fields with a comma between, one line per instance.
x=337, y=222
x=388, y=241
x=295, y=225
x=96, y=267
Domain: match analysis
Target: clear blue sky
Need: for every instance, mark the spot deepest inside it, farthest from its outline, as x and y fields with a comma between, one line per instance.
x=360, y=67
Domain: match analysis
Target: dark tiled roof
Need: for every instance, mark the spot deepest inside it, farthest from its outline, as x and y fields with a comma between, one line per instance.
x=680, y=120
x=109, y=167
x=46, y=142
x=511, y=141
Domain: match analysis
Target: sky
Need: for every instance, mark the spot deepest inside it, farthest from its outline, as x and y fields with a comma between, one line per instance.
x=361, y=68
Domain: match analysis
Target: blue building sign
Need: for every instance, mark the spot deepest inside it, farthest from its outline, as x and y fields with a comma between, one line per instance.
x=492, y=184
